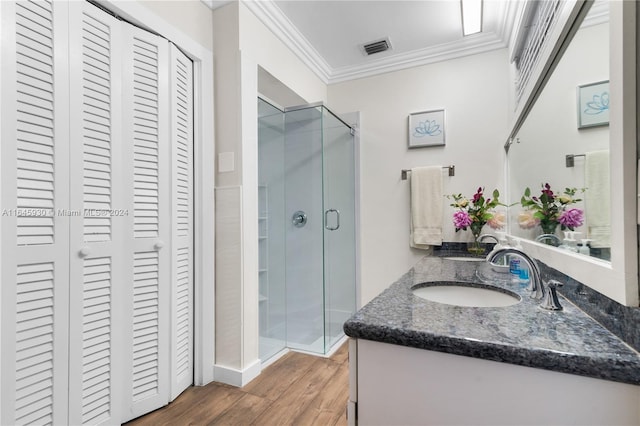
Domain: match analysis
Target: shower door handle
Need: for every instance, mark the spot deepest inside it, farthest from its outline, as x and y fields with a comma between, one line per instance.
x=326, y=219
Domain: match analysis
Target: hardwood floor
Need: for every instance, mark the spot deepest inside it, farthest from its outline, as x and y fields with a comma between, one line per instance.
x=298, y=389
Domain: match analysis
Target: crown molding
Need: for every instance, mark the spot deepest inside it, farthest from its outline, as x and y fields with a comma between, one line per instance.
x=214, y=4
x=481, y=43
x=277, y=22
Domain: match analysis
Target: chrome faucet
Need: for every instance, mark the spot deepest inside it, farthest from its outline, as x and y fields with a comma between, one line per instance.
x=554, y=238
x=538, y=289
x=537, y=286
x=485, y=236
x=496, y=247
x=551, y=301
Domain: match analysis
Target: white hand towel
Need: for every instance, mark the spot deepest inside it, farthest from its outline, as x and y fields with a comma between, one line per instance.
x=426, y=207
x=597, y=198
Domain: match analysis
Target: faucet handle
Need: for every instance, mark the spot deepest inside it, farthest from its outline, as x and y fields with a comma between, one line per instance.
x=550, y=301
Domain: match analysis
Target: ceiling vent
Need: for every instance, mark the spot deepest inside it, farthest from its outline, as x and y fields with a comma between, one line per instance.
x=377, y=46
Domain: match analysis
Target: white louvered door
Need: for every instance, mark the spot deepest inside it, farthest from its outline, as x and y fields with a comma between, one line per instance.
x=97, y=235
x=96, y=223
x=34, y=247
x=148, y=251
x=182, y=230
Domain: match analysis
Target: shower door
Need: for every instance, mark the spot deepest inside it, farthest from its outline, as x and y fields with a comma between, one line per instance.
x=339, y=226
x=304, y=229
x=320, y=247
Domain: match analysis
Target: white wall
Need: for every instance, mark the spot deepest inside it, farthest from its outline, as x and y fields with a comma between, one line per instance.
x=192, y=17
x=474, y=92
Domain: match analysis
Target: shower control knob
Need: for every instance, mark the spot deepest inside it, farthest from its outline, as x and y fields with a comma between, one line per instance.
x=299, y=219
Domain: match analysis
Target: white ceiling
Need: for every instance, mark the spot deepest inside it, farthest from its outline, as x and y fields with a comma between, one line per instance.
x=328, y=34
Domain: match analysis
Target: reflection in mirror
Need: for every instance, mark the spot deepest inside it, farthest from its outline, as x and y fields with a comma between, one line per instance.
x=564, y=143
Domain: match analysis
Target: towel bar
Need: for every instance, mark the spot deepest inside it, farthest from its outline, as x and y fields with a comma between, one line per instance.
x=568, y=159
x=451, y=168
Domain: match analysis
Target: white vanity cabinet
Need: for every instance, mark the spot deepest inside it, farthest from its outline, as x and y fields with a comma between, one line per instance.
x=399, y=385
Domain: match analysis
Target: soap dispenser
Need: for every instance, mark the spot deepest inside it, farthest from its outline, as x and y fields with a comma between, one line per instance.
x=502, y=243
x=524, y=276
x=515, y=265
x=569, y=242
x=584, y=248
x=574, y=238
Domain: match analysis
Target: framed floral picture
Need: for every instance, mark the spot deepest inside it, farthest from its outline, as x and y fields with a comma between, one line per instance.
x=593, y=104
x=426, y=128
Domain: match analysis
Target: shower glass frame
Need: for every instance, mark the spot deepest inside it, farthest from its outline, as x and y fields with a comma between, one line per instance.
x=318, y=175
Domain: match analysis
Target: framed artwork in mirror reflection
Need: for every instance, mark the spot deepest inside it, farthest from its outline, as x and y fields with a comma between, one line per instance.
x=593, y=104
x=426, y=128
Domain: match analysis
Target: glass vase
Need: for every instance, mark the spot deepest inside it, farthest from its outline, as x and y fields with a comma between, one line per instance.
x=475, y=247
x=549, y=227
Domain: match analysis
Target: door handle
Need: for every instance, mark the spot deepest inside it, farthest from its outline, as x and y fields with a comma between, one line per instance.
x=84, y=251
x=326, y=219
x=157, y=246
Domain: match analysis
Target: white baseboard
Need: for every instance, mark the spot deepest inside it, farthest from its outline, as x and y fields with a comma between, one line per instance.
x=234, y=377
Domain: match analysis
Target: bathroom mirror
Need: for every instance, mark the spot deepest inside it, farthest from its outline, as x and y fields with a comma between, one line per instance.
x=551, y=144
x=573, y=156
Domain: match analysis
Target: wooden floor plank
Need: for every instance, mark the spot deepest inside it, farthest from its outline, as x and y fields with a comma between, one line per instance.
x=342, y=354
x=333, y=418
x=295, y=400
x=278, y=377
x=330, y=403
x=298, y=389
x=315, y=417
x=243, y=412
x=214, y=402
x=329, y=397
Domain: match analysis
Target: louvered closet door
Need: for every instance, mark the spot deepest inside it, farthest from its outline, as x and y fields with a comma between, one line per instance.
x=34, y=240
x=96, y=255
x=182, y=211
x=148, y=249
x=96, y=217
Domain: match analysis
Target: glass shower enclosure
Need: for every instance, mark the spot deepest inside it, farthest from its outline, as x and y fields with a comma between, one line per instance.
x=306, y=189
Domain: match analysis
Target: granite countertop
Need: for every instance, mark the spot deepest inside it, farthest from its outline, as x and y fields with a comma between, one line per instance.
x=567, y=341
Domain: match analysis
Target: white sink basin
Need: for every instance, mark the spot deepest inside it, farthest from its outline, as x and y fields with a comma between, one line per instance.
x=466, y=294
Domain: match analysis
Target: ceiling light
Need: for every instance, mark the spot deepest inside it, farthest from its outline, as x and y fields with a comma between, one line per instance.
x=471, y=16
